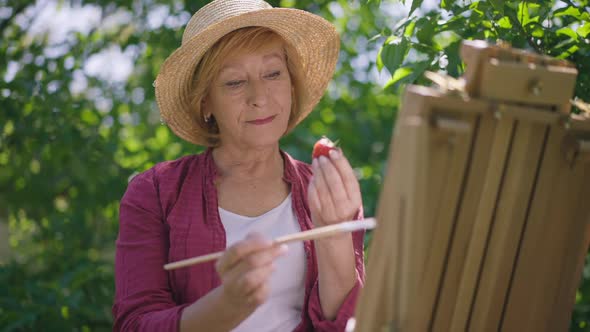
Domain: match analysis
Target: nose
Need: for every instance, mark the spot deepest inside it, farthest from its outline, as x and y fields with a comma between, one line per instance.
x=257, y=93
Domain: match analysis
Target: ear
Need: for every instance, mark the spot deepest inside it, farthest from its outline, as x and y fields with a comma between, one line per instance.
x=204, y=111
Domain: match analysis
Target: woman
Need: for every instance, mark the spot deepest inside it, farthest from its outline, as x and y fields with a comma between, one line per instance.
x=245, y=75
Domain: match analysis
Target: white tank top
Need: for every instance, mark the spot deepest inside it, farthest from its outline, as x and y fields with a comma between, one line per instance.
x=282, y=310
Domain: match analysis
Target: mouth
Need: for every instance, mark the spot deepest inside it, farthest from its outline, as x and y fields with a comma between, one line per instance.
x=262, y=121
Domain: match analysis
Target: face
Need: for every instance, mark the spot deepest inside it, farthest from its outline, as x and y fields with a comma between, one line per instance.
x=251, y=98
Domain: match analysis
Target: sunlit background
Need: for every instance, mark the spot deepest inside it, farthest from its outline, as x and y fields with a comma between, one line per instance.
x=78, y=118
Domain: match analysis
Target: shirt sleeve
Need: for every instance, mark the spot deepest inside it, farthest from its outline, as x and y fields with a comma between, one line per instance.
x=347, y=308
x=143, y=299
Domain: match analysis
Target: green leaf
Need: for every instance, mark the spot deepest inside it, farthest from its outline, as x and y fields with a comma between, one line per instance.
x=457, y=24
x=504, y=23
x=379, y=62
x=573, y=49
x=447, y=4
x=409, y=31
x=399, y=74
x=584, y=30
x=498, y=5
x=426, y=27
x=568, y=11
x=415, y=5
x=445, y=38
x=538, y=32
x=401, y=24
x=568, y=32
x=475, y=7
x=524, y=12
x=392, y=53
x=89, y=117
x=408, y=74
x=455, y=66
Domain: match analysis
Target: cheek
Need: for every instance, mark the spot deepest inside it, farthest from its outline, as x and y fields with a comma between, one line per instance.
x=225, y=102
x=284, y=96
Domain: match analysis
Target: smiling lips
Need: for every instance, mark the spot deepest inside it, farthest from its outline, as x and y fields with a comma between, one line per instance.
x=262, y=121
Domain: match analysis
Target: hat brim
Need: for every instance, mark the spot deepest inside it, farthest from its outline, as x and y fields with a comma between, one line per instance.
x=315, y=40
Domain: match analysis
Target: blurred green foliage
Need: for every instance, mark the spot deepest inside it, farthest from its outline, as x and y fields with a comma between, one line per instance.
x=71, y=134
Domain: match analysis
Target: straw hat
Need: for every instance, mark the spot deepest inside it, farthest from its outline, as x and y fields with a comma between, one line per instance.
x=314, y=39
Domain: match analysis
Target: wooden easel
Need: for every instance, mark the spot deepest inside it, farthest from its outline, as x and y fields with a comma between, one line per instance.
x=484, y=217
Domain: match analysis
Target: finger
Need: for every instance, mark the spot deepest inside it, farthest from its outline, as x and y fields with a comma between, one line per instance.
x=312, y=196
x=254, y=261
x=326, y=206
x=260, y=258
x=252, y=280
x=260, y=295
x=335, y=184
x=252, y=243
x=347, y=174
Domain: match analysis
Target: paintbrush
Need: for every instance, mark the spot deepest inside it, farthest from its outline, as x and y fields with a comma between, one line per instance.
x=312, y=234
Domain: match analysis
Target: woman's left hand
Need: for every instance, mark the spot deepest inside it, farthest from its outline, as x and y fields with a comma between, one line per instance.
x=334, y=194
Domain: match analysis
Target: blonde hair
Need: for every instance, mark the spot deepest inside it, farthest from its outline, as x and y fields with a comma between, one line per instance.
x=249, y=39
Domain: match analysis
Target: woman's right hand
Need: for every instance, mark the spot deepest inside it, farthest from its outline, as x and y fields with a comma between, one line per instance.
x=245, y=269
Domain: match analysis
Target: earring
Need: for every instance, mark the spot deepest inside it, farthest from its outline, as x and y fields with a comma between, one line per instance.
x=207, y=118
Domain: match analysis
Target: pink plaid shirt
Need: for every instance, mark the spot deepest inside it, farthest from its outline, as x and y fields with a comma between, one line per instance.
x=169, y=213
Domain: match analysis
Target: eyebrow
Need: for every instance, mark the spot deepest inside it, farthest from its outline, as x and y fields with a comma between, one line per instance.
x=264, y=58
x=273, y=55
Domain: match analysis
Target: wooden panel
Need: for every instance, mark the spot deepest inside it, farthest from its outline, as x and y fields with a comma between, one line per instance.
x=482, y=224
x=516, y=82
x=550, y=259
x=507, y=226
x=419, y=159
x=449, y=156
x=501, y=73
x=464, y=227
x=578, y=228
x=380, y=304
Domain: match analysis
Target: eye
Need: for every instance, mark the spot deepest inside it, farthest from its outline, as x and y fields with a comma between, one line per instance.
x=234, y=84
x=274, y=74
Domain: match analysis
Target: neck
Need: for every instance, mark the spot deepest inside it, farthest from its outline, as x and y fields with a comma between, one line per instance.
x=250, y=164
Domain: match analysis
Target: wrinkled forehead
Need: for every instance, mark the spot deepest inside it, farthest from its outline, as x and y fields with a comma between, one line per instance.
x=238, y=45
x=261, y=45
x=266, y=54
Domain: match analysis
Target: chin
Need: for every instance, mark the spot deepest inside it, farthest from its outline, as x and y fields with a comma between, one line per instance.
x=263, y=141
x=265, y=138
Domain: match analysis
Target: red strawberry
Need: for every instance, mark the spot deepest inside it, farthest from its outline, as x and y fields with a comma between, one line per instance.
x=323, y=147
